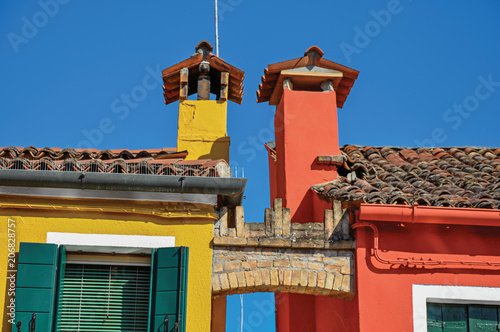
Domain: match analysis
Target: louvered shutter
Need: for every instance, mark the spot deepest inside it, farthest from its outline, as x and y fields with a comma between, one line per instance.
x=170, y=268
x=36, y=285
x=109, y=297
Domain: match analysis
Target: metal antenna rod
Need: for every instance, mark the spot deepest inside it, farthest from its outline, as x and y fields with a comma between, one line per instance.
x=241, y=322
x=216, y=30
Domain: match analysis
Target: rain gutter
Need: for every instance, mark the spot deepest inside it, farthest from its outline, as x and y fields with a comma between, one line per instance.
x=429, y=215
x=230, y=189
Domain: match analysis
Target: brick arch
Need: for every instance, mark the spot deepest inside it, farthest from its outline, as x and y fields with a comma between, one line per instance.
x=254, y=269
x=276, y=256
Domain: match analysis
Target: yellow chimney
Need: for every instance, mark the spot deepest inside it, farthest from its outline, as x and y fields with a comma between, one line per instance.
x=202, y=128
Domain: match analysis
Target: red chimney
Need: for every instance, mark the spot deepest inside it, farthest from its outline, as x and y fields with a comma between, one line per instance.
x=307, y=92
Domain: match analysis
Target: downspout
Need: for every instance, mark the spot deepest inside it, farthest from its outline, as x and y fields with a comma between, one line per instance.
x=231, y=189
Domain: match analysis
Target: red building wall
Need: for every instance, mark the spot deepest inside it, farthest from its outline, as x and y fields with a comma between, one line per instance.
x=305, y=128
x=307, y=313
x=385, y=291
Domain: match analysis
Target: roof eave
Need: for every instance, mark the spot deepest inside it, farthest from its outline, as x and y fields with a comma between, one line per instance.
x=230, y=189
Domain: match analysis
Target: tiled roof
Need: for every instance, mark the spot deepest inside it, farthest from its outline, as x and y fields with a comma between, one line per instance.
x=454, y=176
x=167, y=161
x=313, y=57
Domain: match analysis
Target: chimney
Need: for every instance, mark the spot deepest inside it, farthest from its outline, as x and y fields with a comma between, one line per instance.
x=202, y=128
x=306, y=92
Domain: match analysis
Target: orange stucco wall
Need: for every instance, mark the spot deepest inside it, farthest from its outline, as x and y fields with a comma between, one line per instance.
x=385, y=293
x=305, y=128
x=336, y=314
x=307, y=313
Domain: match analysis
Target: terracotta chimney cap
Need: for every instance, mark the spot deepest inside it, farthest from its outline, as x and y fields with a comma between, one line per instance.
x=204, y=48
x=313, y=68
x=314, y=50
x=172, y=75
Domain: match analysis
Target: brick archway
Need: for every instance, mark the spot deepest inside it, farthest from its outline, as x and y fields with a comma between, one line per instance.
x=276, y=256
x=248, y=270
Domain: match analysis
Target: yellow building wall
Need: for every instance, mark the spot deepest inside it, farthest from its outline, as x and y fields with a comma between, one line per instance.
x=202, y=129
x=195, y=233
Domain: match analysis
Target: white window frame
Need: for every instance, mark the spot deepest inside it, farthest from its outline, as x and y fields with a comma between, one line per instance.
x=423, y=294
x=110, y=243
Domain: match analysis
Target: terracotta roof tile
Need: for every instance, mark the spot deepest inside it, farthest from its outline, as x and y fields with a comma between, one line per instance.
x=167, y=161
x=455, y=176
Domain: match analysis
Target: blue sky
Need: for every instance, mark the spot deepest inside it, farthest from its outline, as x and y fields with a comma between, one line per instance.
x=429, y=76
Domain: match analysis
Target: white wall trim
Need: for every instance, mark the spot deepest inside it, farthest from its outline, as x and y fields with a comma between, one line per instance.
x=110, y=243
x=423, y=294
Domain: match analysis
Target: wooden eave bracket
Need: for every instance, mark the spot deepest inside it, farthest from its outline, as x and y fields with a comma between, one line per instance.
x=224, y=82
x=183, y=91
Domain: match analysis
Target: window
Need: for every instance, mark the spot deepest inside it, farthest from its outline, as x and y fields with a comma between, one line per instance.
x=100, y=296
x=462, y=317
x=104, y=297
x=455, y=308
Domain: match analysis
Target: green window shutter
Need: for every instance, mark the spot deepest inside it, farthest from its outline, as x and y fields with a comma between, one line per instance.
x=36, y=285
x=60, y=279
x=454, y=318
x=462, y=318
x=168, y=265
x=446, y=317
x=483, y=318
x=104, y=297
x=434, y=317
